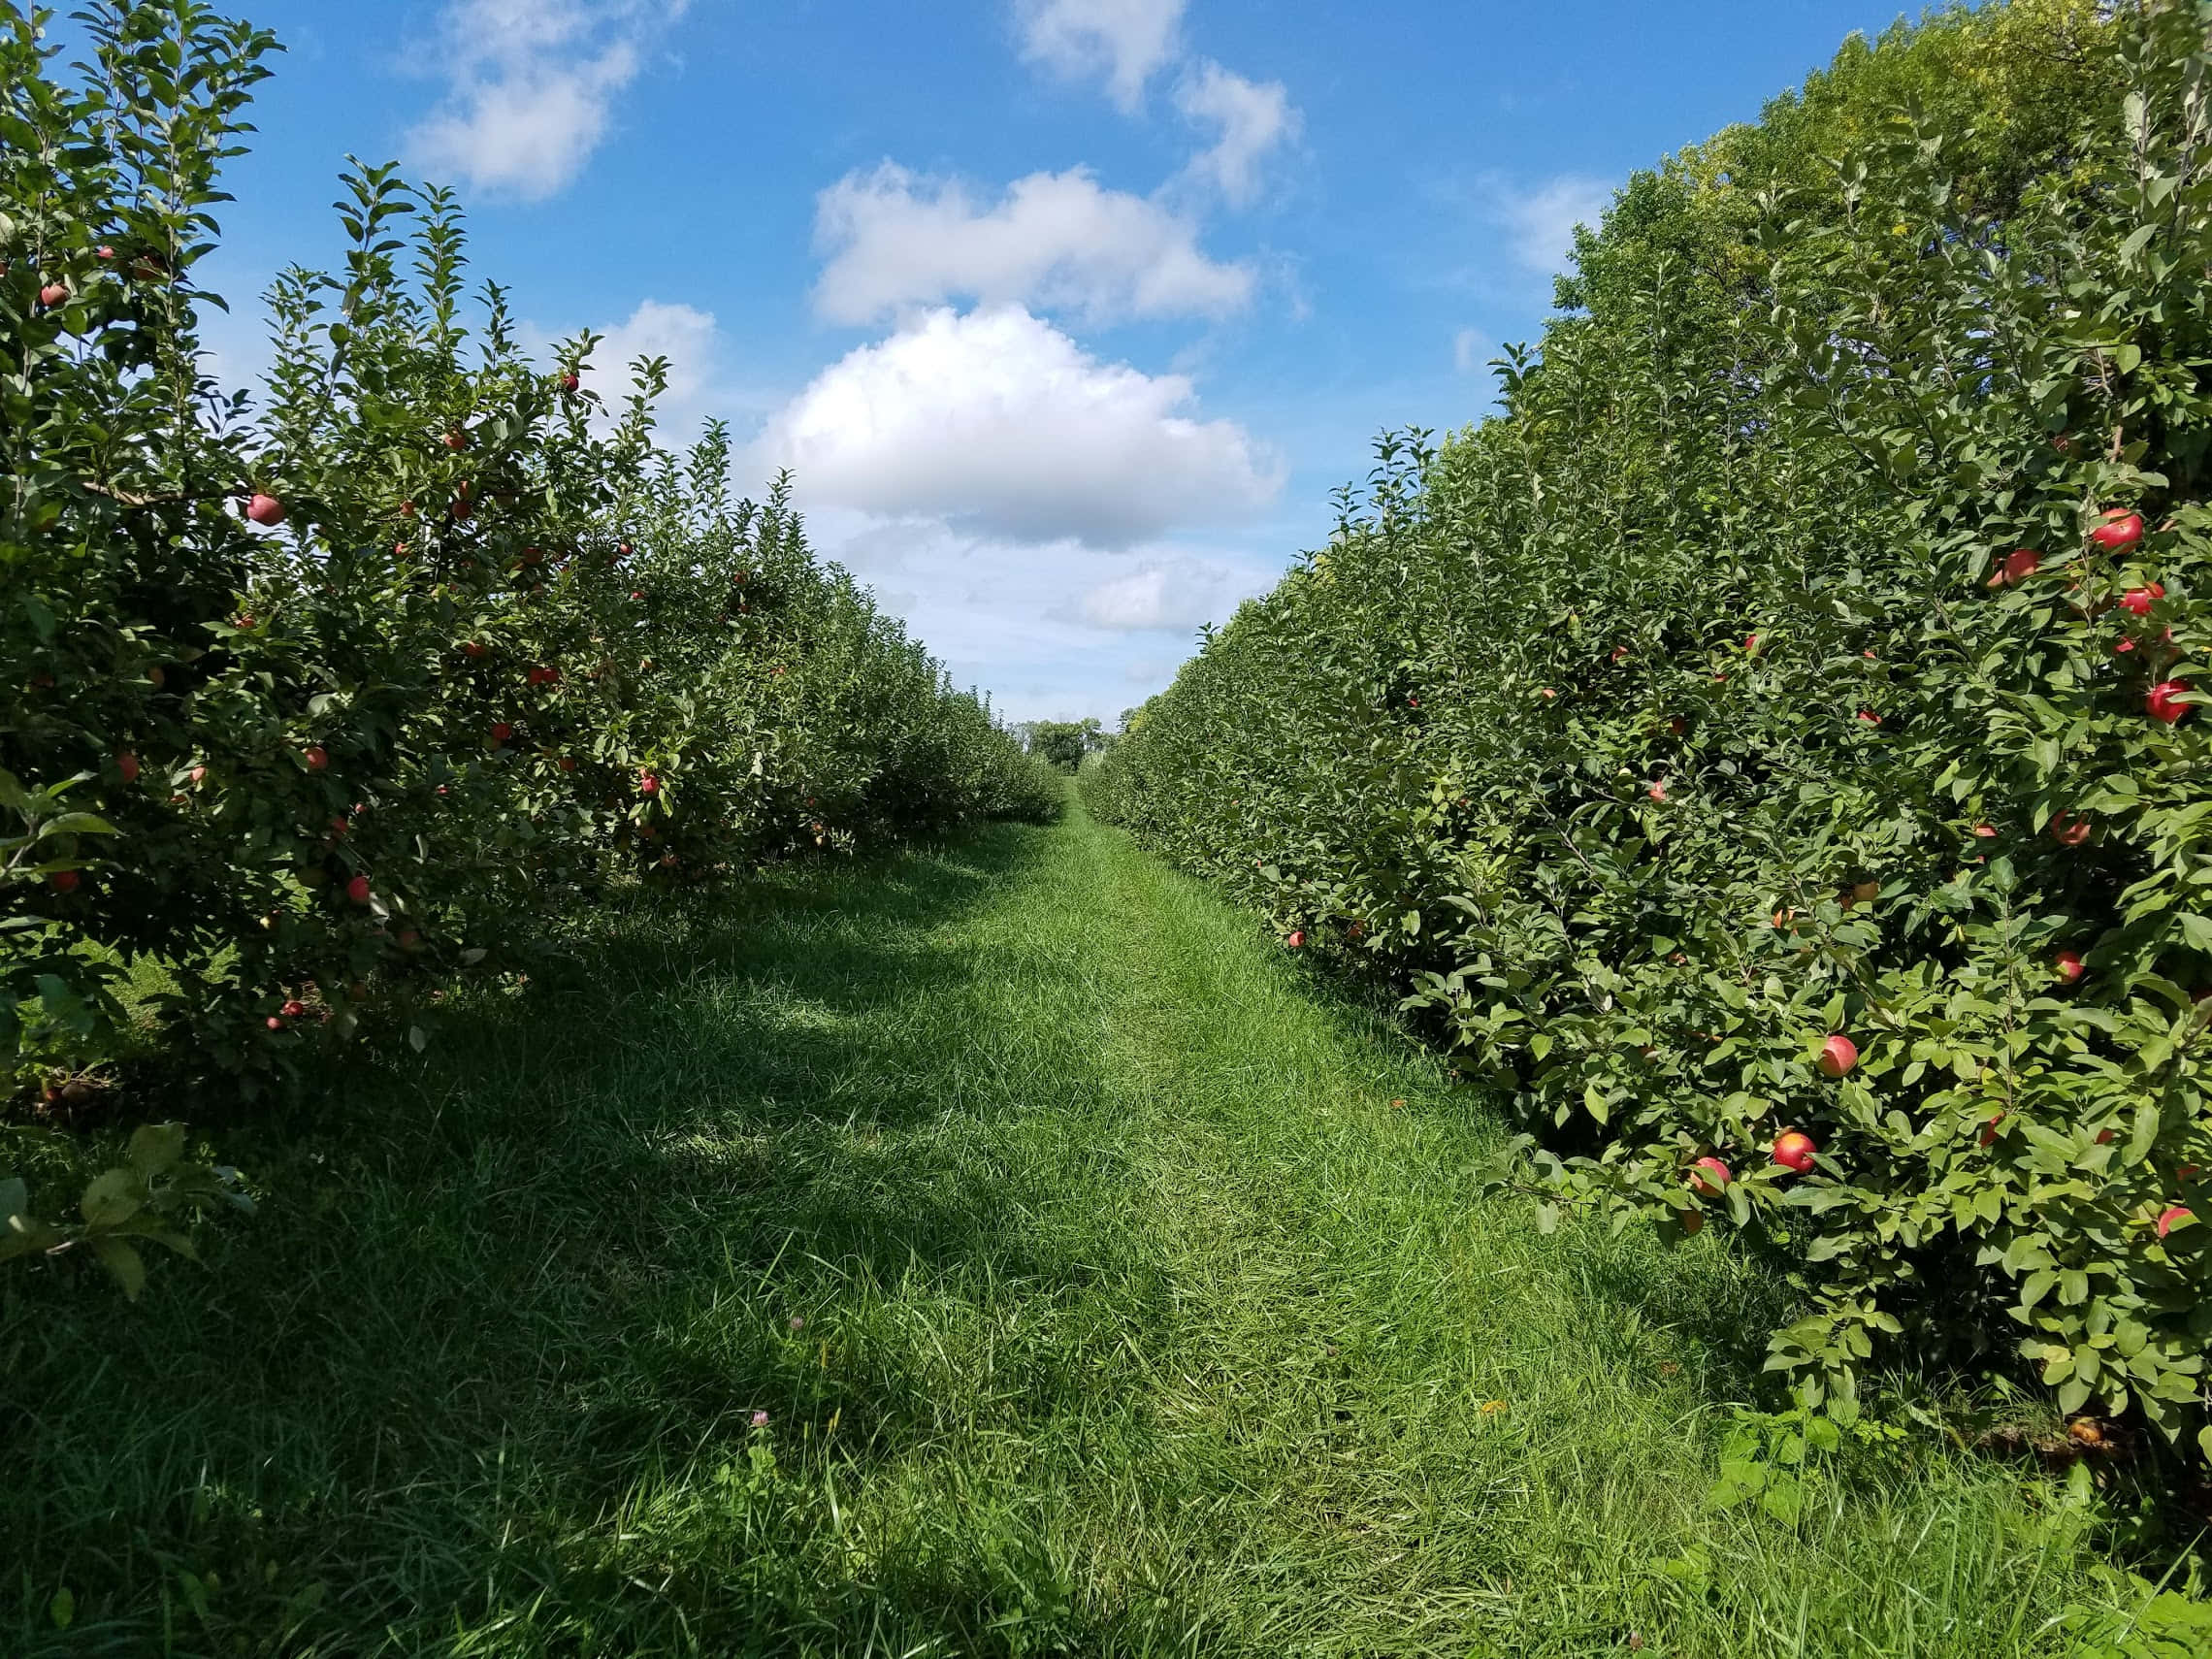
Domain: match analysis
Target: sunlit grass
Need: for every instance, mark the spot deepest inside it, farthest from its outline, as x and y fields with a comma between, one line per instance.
x=1097, y=1293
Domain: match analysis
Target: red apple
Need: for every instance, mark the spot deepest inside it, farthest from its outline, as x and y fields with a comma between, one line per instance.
x=567, y=763
x=456, y=440
x=357, y=890
x=63, y=881
x=2022, y=564
x=2163, y=701
x=1837, y=1055
x=1620, y=653
x=199, y=774
x=2172, y=1216
x=1989, y=1129
x=1657, y=790
x=569, y=382
x=265, y=509
x=127, y=763
x=2068, y=830
x=293, y=1009
x=54, y=294
x=637, y=592
x=2070, y=966
x=1985, y=832
x=1794, y=1150
x=501, y=732
x=274, y=1023
x=2140, y=600
x=1708, y=1176
x=2116, y=529
x=2125, y=646
x=1296, y=939
x=1867, y=717
x=648, y=783
x=317, y=757
x=474, y=648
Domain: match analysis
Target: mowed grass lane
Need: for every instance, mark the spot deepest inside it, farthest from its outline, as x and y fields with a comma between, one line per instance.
x=1106, y=1287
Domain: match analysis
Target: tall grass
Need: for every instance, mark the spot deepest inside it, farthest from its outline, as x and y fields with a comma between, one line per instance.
x=1106, y=1287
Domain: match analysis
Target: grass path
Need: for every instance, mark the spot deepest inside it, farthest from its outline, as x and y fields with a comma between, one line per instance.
x=1106, y=1287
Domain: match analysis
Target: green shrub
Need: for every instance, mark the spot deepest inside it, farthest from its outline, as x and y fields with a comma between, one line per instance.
x=366, y=681
x=1685, y=717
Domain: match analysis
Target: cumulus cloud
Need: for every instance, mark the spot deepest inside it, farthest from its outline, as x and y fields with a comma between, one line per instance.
x=1178, y=595
x=1124, y=42
x=531, y=85
x=1540, y=223
x=1471, y=351
x=1253, y=119
x=995, y=422
x=1057, y=240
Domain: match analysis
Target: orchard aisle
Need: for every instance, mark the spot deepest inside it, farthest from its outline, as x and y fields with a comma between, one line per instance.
x=999, y=1249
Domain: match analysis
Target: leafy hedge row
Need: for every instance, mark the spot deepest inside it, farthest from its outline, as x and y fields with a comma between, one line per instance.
x=366, y=681
x=1786, y=718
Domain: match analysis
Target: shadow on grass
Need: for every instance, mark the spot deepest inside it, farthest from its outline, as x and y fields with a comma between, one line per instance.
x=490, y=1358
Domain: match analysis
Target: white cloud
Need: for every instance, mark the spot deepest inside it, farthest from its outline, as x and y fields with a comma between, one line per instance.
x=998, y=423
x=1471, y=351
x=1540, y=223
x=1253, y=119
x=1056, y=240
x=1178, y=595
x=531, y=86
x=688, y=338
x=1125, y=40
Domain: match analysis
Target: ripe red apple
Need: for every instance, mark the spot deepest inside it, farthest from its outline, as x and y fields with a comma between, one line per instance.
x=1869, y=718
x=265, y=509
x=1620, y=653
x=2163, y=701
x=456, y=440
x=474, y=648
x=2022, y=564
x=54, y=294
x=1708, y=1176
x=1985, y=832
x=569, y=382
x=2116, y=529
x=293, y=1009
x=407, y=509
x=1657, y=790
x=2140, y=600
x=2068, y=830
x=357, y=890
x=2070, y=966
x=63, y=881
x=274, y=1023
x=567, y=763
x=199, y=774
x=408, y=939
x=463, y=504
x=501, y=732
x=1989, y=1129
x=2125, y=646
x=1837, y=1055
x=638, y=594
x=1296, y=939
x=1547, y=693
x=1794, y=1150
x=2172, y=1216
x=127, y=763
x=648, y=783
x=317, y=757
x=103, y=251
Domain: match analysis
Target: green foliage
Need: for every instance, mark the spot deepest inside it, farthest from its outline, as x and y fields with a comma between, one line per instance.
x=1685, y=716
x=312, y=700
x=1064, y=744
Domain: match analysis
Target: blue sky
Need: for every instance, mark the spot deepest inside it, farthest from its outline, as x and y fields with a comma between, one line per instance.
x=1068, y=313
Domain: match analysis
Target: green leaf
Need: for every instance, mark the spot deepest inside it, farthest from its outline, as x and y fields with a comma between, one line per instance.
x=119, y=1257
x=156, y=1148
